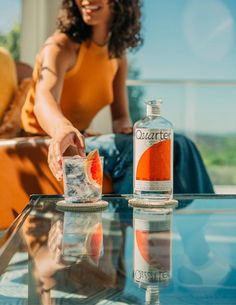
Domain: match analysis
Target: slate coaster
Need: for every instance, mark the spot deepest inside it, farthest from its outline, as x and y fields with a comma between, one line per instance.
x=82, y=207
x=150, y=203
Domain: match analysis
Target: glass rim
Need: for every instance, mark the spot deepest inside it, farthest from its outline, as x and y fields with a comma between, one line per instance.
x=78, y=157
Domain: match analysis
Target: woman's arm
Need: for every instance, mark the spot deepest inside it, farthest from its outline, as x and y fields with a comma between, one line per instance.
x=57, y=57
x=121, y=121
x=54, y=59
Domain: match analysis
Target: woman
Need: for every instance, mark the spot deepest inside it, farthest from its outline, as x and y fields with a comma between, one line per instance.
x=81, y=68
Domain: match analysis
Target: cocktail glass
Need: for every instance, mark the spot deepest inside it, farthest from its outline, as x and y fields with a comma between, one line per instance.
x=82, y=179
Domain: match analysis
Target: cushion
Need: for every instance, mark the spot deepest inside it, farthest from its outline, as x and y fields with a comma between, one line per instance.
x=8, y=80
x=11, y=122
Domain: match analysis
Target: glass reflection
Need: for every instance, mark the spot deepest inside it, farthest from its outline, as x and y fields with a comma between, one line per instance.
x=79, y=237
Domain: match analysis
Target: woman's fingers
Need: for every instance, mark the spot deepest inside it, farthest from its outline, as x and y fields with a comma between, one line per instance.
x=70, y=139
x=80, y=144
x=55, y=159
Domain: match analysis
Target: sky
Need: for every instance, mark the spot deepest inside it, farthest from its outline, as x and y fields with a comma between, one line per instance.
x=10, y=12
x=183, y=39
x=189, y=39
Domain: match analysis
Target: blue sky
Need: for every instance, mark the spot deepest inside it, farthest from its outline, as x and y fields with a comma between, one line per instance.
x=183, y=39
x=10, y=11
x=191, y=39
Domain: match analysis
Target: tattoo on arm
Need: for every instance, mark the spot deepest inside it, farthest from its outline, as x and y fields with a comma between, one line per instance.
x=47, y=69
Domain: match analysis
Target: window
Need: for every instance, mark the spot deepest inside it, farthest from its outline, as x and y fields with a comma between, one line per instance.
x=10, y=26
x=189, y=60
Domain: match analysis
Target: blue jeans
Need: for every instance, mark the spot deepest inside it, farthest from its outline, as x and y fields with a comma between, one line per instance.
x=117, y=150
x=190, y=175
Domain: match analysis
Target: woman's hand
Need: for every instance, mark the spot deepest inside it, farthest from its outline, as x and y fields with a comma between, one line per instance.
x=122, y=125
x=65, y=138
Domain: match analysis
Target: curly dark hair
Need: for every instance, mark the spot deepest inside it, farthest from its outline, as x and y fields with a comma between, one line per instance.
x=125, y=27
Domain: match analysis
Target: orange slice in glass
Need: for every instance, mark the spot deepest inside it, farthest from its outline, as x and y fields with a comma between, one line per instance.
x=93, y=168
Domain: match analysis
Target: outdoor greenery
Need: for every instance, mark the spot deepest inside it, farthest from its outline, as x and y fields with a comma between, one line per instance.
x=219, y=155
x=11, y=41
x=135, y=95
x=218, y=150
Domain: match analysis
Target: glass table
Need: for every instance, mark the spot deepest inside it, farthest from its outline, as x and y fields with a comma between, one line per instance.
x=121, y=255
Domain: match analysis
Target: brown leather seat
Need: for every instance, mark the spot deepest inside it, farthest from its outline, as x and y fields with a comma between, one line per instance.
x=24, y=171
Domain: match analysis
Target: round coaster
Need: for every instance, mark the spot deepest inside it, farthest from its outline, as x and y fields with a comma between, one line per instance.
x=82, y=206
x=150, y=203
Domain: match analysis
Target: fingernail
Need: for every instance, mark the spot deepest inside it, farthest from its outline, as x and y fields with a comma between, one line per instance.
x=58, y=177
x=82, y=152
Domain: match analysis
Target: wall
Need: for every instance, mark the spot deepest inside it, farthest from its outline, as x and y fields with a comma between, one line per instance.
x=38, y=21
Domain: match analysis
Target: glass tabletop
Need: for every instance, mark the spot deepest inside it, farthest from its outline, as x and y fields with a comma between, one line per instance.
x=121, y=255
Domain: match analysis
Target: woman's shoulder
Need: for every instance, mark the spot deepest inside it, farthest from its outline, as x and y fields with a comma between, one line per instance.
x=61, y=41
x=59, y=45
x=122, y=61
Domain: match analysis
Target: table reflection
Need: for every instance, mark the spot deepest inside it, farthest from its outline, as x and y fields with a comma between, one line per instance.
x=72, y=254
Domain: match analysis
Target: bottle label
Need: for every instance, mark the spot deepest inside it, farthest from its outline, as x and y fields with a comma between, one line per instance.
x=153, y=164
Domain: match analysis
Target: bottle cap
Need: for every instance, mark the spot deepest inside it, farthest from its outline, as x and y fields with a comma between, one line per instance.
x=154, y=107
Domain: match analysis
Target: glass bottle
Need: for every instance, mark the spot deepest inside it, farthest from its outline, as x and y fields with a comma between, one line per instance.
x=153, y=155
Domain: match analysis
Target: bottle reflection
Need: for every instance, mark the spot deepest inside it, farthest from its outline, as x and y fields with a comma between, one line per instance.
x=152, y=250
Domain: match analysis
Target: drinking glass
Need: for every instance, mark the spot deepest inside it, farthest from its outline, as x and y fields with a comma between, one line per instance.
x=82, y=179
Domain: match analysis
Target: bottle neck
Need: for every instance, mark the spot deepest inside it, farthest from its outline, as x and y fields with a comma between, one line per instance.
x=152, y=296
x=153, y=110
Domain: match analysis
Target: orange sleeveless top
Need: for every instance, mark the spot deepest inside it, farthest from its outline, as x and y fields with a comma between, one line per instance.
x=88, y=87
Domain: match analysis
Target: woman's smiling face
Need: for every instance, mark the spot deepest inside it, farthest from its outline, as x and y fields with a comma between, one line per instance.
x=95, y=12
